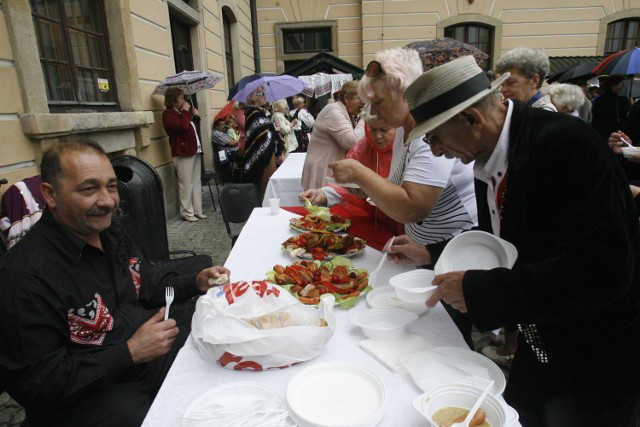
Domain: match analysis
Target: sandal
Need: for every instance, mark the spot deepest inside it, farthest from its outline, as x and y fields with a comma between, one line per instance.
x=492, y=353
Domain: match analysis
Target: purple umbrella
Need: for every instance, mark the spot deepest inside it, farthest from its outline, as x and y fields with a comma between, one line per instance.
x=275, y=87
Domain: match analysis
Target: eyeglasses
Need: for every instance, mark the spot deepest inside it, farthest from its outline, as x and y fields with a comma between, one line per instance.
x=374, y=69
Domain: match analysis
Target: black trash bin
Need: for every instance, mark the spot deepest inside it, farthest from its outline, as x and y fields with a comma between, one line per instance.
x=141, y=209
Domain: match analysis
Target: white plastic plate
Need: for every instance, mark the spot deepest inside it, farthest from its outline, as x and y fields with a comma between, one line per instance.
x=224, y=401
x=336, y=395
x=476, y=250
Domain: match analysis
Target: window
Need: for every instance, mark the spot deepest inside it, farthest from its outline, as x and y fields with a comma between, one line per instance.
x=307, y=40
x=623, y=34
x=479, y=36
x=228, y=48
x=74, y=51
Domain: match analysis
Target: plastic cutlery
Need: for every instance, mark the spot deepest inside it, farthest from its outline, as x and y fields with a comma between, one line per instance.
x=168, y=297
x=374, y=273
x=474, y=408
x=627, y=142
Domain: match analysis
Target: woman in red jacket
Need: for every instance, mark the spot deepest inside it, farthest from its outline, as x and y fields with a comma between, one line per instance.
x=182, y=125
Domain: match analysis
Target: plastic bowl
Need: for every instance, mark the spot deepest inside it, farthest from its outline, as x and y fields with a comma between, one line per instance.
x=462, y=396
x=414, y=286
x=385, y=323
x=629, y=152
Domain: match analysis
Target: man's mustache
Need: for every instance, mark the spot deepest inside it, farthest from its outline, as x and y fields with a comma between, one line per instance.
x=97, y=211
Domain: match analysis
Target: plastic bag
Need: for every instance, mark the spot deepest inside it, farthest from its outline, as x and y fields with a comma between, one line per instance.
x=259, y=325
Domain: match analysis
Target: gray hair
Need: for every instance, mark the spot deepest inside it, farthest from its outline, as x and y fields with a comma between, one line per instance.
x=401, y=67
x=564, y=95
x=527, y=61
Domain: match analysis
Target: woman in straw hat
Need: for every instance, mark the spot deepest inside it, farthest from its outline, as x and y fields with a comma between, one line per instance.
x=554, y=190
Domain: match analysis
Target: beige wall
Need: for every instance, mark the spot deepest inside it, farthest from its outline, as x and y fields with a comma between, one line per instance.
x=140, y=41
x=567, y=28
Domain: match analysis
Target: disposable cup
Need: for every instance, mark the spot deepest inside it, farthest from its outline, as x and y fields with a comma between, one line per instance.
x=275, y=206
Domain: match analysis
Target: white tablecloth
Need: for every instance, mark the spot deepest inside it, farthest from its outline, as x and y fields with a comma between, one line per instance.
x=285, y=181
x=255, y=253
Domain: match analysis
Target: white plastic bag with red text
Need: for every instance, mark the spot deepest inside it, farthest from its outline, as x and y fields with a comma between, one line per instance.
x=258, y=325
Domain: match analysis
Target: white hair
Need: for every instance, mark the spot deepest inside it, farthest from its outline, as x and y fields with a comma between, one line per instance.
x=566, y=97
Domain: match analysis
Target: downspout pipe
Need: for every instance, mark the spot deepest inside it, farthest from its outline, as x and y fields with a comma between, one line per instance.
x=254, y=34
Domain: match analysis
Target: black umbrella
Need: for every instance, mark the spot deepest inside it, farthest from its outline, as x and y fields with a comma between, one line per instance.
x=578, y=71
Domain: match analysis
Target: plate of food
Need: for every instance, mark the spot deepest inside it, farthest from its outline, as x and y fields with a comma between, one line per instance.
x=309, y=280
x=319, y=219
x=323, y=246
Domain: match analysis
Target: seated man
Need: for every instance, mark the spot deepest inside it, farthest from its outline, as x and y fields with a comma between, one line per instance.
x=81, y=339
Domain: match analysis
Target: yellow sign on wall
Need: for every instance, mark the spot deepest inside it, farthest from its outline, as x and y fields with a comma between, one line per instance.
x=103, y=85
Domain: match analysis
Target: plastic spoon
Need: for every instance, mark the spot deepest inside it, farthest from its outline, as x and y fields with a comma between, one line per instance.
x=374, y=273
x=474, y=408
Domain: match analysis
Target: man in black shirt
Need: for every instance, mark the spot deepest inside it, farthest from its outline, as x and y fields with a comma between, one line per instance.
x=81, y=339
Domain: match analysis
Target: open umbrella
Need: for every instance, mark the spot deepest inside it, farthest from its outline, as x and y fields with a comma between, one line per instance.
x=244, y=81
x=578, y=71
x=625, y=62
x=275, y=87
x=189, y=81
x=439, y=51
x=225, y=112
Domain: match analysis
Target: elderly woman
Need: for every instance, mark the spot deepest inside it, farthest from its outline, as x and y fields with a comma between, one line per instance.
x=374, y=151
x=261, y=146
x=528, y=69
x=418, y=179
x=567, y=98
x=432, y=196
x=182, y=125
x=334, y=133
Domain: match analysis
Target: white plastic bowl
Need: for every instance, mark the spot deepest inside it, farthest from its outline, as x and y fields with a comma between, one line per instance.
x=462, y=396
x=629, y=152
x=414, y=286
x=385, y=323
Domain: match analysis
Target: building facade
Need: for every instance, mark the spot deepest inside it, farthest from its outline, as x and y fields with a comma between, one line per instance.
x=90, y=66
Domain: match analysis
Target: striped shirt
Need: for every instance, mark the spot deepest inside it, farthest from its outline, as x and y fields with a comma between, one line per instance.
x=456, y=209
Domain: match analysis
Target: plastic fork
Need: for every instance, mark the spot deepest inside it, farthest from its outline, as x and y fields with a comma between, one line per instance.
x=474, y=408
x=374, y=273
x=168, y=297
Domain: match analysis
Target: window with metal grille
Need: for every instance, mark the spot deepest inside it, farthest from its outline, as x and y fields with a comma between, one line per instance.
x=623, y=34
x=306, y=40
x=479, y=36
x=74, y=51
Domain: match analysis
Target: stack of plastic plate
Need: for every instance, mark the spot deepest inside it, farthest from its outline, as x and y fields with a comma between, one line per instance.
x=336, y=395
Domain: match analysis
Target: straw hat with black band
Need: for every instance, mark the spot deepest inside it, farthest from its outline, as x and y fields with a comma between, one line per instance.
x=444, y=91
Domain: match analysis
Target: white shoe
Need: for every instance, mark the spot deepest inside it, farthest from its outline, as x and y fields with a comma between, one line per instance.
x=201, y=216
x=190, y=218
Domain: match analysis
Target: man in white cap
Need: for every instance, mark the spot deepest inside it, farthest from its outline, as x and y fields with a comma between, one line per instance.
x=553, y=190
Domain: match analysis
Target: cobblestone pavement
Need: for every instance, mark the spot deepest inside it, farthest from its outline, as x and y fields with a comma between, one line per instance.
x=207, y=236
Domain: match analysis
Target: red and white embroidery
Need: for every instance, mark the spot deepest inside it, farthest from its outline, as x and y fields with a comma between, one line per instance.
x=89, y=324
x=134, y=269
